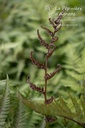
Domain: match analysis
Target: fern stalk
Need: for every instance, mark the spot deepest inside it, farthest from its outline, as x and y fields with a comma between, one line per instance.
x=45, y=79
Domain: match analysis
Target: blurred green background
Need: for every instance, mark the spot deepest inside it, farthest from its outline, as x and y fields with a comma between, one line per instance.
x=19, y=21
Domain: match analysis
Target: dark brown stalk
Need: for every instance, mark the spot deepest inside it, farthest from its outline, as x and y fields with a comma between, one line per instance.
x=46, y=61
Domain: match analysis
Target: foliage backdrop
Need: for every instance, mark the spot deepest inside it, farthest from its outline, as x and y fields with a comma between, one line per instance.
x=19, y=21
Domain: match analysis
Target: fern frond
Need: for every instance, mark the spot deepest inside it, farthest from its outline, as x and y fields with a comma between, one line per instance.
x=59, y=108
x=20, y=119
x=5, y=106
x=75, y=70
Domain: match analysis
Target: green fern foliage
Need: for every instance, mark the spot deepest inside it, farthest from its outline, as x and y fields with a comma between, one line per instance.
x=20, y=118
x=12, y=111
x=5, y=106
x=60, y=108
x=74, y=69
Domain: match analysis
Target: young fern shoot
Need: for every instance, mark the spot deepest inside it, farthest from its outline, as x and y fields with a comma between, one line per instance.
x=56, y=24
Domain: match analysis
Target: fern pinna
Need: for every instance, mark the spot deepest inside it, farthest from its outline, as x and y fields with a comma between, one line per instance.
x=50, y=107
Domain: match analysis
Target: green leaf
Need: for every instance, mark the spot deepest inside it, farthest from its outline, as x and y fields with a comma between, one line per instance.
x=57, y=108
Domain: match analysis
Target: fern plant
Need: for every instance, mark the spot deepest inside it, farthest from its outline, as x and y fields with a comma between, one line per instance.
x=12, y=111
x=52, y=107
